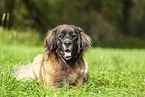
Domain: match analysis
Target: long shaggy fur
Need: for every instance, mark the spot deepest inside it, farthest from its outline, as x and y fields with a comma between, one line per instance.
x=51, y=68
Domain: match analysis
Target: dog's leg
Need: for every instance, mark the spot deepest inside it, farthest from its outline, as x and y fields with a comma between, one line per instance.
x=37, y=67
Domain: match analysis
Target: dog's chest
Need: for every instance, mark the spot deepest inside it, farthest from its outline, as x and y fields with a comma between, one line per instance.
x=64, y=76
x=57, y=76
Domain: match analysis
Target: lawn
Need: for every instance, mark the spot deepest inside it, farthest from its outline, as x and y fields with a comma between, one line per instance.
x=113, y=72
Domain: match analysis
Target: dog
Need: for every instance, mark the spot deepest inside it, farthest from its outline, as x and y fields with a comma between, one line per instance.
x=63, y=62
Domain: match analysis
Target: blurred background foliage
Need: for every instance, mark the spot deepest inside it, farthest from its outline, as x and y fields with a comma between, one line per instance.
x=110, y=23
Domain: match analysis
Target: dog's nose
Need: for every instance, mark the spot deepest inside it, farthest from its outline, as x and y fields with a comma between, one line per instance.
x=67, y=42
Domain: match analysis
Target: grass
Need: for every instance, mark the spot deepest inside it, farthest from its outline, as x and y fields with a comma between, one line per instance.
x=113, y=72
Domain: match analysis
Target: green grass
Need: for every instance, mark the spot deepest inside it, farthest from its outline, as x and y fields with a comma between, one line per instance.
x=113, y=72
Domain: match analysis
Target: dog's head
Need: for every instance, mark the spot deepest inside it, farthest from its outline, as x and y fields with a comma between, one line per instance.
x=67, y=41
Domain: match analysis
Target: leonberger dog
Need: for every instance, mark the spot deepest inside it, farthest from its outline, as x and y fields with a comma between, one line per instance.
x=63, y=62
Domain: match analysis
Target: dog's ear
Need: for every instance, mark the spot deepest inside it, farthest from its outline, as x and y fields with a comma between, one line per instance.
x=50, y=40
x=84, y=40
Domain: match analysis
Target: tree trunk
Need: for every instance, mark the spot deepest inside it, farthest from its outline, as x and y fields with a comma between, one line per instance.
x=127, y=4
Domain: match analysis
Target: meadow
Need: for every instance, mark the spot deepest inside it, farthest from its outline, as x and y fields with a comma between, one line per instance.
x=113, y=72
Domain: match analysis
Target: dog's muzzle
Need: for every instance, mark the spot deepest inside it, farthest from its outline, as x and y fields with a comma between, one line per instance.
x=67, y=49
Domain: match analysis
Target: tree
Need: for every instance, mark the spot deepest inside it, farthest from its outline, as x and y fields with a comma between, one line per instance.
x=7, y=6
x=127, y=4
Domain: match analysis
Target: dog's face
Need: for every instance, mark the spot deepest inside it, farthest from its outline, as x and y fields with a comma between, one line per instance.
x=67, y=41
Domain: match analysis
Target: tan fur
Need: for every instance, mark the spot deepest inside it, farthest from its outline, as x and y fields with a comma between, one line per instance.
x=52, y=74
x=53, y=71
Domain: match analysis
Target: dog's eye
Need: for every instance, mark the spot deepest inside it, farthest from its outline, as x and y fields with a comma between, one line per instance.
x=61, y=36
x=73, y=36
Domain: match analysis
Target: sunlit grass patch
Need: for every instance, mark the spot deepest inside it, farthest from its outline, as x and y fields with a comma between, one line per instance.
x=113, y=72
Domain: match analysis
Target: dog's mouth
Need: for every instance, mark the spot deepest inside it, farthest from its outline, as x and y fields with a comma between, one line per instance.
x=67, y=55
